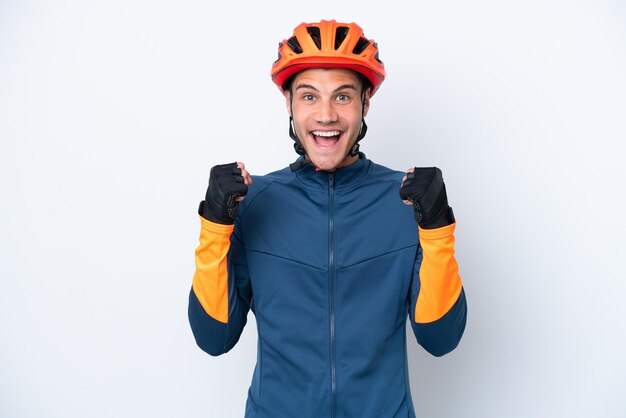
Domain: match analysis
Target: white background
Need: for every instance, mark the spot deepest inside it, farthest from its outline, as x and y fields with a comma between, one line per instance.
x=112, y=113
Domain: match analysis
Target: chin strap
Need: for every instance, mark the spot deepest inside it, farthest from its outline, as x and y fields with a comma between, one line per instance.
x=292, y=133
x=355, y=148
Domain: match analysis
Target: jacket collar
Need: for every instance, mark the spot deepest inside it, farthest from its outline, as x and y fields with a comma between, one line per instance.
x=344, y=178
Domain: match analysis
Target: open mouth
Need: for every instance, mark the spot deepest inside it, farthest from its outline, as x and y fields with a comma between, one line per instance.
x=326, y=139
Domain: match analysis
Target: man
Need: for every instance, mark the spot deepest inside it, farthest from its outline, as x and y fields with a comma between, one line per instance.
x=324, y=252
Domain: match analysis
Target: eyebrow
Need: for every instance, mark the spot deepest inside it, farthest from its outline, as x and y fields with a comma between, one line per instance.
x=342, y=87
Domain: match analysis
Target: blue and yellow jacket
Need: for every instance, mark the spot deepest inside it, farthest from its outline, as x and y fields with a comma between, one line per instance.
x=331, y=264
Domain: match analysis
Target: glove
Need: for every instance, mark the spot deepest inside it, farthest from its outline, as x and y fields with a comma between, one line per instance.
x=226, y=184
x=425, y=188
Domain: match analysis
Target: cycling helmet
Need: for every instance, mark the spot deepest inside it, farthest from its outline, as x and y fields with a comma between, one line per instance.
x=328, y=44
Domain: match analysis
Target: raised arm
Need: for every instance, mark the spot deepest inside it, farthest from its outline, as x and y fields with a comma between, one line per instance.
x=438, y=308
x=220, y=295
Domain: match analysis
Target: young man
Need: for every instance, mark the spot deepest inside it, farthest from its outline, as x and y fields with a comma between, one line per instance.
x=324, y=252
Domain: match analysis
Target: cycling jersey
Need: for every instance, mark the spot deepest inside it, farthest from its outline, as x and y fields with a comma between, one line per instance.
x=331, y=264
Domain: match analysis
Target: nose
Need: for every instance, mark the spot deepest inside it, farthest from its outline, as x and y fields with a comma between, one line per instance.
x=326, y=113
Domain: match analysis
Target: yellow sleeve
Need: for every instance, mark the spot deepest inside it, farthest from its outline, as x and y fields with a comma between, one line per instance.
x=440, y=283
x=210, y=280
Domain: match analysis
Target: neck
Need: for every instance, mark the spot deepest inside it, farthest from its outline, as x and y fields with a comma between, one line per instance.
x=349, y=160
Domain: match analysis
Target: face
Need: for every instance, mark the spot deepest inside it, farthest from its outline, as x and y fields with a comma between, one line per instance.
x=327, y=114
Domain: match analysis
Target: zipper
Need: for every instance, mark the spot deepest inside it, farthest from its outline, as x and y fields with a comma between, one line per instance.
x=331, y=292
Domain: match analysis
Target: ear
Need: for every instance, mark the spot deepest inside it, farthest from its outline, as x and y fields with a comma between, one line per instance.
x=366, y=101
x=287, y=94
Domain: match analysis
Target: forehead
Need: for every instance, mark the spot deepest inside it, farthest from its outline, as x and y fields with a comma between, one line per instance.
x=327, y=76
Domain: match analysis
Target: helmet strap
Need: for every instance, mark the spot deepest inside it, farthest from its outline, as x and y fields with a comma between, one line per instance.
x=355, y=148
x=297, y=144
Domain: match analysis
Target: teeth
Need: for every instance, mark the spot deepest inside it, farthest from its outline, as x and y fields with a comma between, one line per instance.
x=326, y=133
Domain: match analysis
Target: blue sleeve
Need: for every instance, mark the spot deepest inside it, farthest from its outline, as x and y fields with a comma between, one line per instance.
x=213, y=336
x=440, y=333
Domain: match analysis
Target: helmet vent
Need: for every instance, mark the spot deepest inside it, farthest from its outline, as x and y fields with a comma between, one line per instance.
x=314, y=31
x=360, y=46
x=340, y=34
x=377, y=51
x=294, y=45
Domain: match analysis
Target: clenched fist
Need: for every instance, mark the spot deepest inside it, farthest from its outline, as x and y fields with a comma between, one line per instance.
x=228, y=185
x=424, y=189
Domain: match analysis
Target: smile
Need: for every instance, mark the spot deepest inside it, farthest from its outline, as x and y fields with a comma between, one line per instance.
x=326, y=139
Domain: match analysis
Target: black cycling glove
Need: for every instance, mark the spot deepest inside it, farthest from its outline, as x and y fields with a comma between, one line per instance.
x=226, y=184
x=425, y=188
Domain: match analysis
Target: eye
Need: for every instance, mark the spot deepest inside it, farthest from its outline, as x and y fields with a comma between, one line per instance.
x=343, y=97
x=308, y=97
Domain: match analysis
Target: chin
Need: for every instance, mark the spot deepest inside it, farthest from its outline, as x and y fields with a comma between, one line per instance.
x=326, y=164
